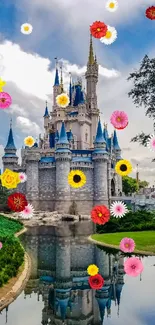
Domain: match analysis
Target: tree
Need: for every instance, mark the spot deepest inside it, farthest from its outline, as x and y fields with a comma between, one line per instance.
x=143, y=93
x=143, y=184
x=129, y=185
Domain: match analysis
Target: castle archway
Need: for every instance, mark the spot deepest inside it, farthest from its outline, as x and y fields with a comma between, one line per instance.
x=113, y=188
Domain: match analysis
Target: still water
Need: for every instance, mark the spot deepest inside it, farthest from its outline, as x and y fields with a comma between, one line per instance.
x=63, y=257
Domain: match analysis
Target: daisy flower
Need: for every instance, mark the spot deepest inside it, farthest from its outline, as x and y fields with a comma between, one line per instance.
x=22, y=177
x=62, y=100
x=26, y=29
x=118, y=209
x=29, y=141
x=27, y=213
x=110, y=36
x=151, y=142
x=92, y=269
x=111, y=5
x=133, y=266
x=119, y=120
x=127, y=245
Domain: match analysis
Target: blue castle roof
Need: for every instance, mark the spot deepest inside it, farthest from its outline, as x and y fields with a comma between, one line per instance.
x=79, y=96
x=10, y=143
x=69, y=135
x=99, y=135
x=106, y=136
x=63, y=303
x=46, y=112
x=115, y=141
x=56, y=82
x=119, y=287
x=63, y=136
x=57, y=135
x=102, y=302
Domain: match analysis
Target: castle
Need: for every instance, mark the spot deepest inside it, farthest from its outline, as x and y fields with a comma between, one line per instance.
x=73, y=139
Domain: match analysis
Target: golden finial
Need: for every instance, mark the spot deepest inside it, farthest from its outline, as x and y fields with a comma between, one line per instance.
x=61, y=80
x=91, y=53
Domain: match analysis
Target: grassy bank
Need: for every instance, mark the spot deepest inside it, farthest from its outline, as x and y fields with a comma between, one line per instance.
x=11, y=254
x=144, y=240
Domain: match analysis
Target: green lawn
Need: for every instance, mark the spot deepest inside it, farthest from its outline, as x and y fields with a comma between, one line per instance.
x=9, y=227
x=144, y=240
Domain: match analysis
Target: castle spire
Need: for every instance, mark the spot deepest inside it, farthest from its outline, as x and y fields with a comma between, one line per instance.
x=10, y=143
x=61, y=81
x=63, y=136
x=115, y=141
x=46, y=111
x=99, y=134
x=70, y=89
x=91, y=53
x=56, y=82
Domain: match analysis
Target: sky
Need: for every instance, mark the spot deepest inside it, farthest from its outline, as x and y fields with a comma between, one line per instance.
x=61, y=29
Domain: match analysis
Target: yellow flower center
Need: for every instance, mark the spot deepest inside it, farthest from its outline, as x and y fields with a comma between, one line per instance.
x=111, y=5
x=98, y=29
x=26, y=28
x=100, y=214
x=108, y=34
x=118, y=119
x=126, y=245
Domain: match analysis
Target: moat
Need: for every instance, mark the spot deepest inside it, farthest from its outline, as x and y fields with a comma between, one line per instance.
x=61, y=255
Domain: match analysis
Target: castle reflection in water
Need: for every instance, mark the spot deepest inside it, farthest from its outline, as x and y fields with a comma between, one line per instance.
x=63, y=255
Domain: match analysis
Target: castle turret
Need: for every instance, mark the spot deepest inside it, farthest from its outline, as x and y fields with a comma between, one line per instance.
x=100, y=157
x=10, y=159
x=63, y=160
x=56, y=87
x=46, y=119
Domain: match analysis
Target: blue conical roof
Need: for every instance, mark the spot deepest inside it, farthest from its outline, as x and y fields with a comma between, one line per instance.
x=56, y=82
x=10, y=143
x=46, y=112
x=115, y=141
x=99, y=134
x=57, y=135
x=63, y=136
x=63, y=303
x=70, y=93
x=102, y=305
x=119, y=287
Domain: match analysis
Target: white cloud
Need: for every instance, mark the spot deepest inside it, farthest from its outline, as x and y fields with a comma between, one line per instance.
x=28, y=127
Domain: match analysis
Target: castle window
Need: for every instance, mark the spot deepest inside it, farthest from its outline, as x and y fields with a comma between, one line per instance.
x=86, y=136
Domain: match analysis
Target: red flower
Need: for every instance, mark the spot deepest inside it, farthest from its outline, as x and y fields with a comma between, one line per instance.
x=150, y=13
x=100, y=214
x=17, y=202
x=96, y=281
x=98, y=29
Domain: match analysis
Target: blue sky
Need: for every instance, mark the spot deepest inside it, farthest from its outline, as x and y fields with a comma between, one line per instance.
x=61, y=28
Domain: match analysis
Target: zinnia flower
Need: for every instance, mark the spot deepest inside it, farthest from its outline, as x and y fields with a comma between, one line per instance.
x=29, y=141
x=17, y=202
x=151, y=142
x=22, y=177
x=92, y=269
x=27, y=213
x=76, y=178
x=133, y=266
x=2, y=84
x=5, y=100
x=111, y=5
x=10, y=179
x=1, y=245
x=118, y=209
x=150, y=13
x=127, y=245
x=110, y=36
x=26, y=29
x=100, y=214
x=96, y=282
x=119, y=120
x=62, y=100
x=98, y=29
x=123, y=167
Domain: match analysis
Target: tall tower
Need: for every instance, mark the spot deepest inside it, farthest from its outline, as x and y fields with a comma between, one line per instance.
x=91, y=96
x=46, y=119
x=117, y=151
x=10, y=159
x=56, y=87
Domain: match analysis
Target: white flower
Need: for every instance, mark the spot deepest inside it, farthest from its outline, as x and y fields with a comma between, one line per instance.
x=118, y=209
x=110, y=36
x=26, y=29
x=22, y=177
x=111, y=5
x=27, y=213
x=151, y=142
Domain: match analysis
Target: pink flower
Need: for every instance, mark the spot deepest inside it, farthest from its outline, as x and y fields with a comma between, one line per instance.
x=133, y=266
x=27, y=213
x=5, y=100
x=22, y=177
x=1, y=245
x=127, y=245
x=118, y=209
x=119, y=120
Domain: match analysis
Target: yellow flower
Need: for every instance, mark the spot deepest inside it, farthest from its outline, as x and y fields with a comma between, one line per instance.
x=2, y=84
x=76, y=178
x=92, y=269
x=10, y=179
x=29, y=141
x=123, y=167
x=62, y=100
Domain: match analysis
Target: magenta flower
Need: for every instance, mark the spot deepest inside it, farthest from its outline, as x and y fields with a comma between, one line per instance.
x=119, y=120
x=5, y=100
x=1, y=245
x=133, y=266
x=127, y=245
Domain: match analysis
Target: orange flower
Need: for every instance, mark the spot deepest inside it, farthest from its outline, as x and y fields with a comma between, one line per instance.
x=100, y=214
x=150, y=13
x=98, y=29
